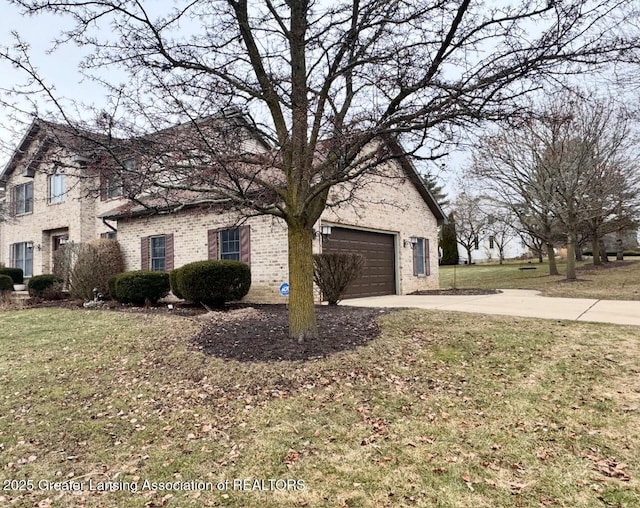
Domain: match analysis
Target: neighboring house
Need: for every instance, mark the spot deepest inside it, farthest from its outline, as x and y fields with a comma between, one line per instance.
x=486, y=250
x=392, y=223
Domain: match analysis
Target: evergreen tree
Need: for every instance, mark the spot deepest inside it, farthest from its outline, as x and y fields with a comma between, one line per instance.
x=448, y=242
x=436, y=190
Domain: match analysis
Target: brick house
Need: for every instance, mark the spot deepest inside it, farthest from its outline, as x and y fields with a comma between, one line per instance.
x=49, y=203
x=393, y=221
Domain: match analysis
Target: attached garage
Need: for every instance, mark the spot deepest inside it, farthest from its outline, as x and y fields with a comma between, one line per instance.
x=379, y=274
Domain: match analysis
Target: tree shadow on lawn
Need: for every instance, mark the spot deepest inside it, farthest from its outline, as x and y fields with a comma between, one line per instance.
x=260, y=333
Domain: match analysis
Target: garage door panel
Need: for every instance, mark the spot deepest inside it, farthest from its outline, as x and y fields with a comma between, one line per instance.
x=378, y=250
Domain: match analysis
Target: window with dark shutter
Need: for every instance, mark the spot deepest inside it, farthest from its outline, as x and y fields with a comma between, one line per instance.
x=230, y=243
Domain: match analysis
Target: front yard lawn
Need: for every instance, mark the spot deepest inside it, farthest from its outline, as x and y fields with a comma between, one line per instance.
x=441, y=409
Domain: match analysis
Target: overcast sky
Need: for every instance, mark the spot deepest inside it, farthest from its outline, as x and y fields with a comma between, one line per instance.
x=59, y=67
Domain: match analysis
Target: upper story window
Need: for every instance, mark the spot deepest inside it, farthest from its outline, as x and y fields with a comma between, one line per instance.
x=114, y=186
x=158, y=253
x=230, y=244
x=23, y=198
x=57, y=188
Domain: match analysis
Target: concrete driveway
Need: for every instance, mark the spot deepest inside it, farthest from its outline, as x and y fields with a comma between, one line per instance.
x=516, y=302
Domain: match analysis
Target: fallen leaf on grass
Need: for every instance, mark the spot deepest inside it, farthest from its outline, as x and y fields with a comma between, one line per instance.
x=610, y=468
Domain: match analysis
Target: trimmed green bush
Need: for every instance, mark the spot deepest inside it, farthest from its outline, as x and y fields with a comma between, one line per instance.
x=140, y=286
x=47, y=286
x=213, y=282
x=6, y=283
x=173, y=282
x=16, y=274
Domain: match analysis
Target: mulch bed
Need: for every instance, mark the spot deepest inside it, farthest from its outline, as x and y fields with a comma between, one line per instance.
x=260, y=333
x=457, y=292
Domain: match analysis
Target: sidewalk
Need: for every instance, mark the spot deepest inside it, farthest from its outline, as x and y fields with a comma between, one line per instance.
x=516, y=302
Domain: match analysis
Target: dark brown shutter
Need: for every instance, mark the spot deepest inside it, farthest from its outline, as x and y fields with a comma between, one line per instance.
x=427, y=264
x=415, y=260
x=212, y=240
x=245, y=244
x=144, y=253
x=168, y=253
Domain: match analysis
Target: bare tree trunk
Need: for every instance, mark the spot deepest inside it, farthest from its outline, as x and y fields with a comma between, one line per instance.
x=619, y=245
x=579, y=253
x=540, y=255
x=302, y=315
x=571, y=256
x=595, y=247
x=468, y=256
x=603, y=251
x=551, y=254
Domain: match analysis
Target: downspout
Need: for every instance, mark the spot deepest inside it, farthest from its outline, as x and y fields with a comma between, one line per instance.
x=104, y=221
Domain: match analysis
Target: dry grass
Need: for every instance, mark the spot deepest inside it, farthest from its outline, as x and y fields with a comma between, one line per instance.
x=443, y=409
x=616, y=281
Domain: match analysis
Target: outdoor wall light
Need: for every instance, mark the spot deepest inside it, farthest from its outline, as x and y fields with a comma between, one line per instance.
x=30, y=246
x=325, y=231
x=411, y=242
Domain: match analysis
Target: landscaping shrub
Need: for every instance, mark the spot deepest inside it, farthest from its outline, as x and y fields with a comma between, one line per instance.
x=15, y=274
x=140, y=286
x=47, y=286
x=333, y=273
x=6, y=283
x=213, y=282
x=95, y=263
x=173, y=282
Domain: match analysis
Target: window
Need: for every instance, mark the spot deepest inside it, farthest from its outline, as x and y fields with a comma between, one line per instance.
x=491, y=242
x=56, y=188
x=158, y=253
x=421, y=257
x=476, y=243
x=114, y=186
x=23, y=198
x=22, y=257
x=109, y=235
x=230, y=244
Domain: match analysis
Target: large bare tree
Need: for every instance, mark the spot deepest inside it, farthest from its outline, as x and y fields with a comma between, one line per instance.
x=323, y=83
x=470, y=221
x=567, y=168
